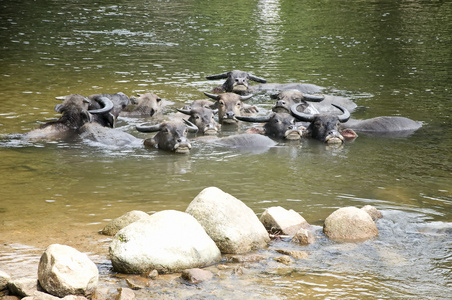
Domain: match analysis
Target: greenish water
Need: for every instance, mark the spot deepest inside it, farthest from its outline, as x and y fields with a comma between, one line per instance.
x=390, y=57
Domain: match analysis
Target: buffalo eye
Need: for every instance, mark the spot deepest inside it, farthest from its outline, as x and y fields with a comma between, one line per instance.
x=159, y=99
x=222, y=103
x=238, y=104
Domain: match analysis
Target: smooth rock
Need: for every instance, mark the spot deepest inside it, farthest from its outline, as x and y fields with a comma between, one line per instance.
x=228, y=221
x=4, y=279
x=283, y=221
x=125, y=294
x=196, y=275
x=64, y=271
x=167, y=241
x=373, y=212
x=349, y=224
x=303, y=237
x=119, y=223
x=23, y=287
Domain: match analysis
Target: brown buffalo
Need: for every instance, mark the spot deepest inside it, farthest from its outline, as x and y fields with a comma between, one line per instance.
x=231, y=105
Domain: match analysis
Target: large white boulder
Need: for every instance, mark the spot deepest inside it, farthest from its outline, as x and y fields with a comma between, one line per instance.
x=228, y=221
x=64, y=270
x=350, y=224
x=167, y=241
x=286, y=222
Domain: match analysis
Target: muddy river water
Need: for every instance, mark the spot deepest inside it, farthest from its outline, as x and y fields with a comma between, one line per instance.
x=392, y=58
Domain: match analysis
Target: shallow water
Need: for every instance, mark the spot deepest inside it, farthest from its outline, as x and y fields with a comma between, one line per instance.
x=391, y=58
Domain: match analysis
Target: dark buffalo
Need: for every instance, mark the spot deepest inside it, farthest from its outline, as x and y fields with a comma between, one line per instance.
x=316, y=104
x=171, y=135
x=236, y=82
x=75, y=113
x=231, y=105
x=277, y=125
x=203, y=118
x=286, y=99
x=383, y=126
x=108, y=136
x=146, y=105
x=106, y=118
x=324, y=127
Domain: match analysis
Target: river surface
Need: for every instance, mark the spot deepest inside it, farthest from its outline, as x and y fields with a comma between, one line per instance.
x=392, y=58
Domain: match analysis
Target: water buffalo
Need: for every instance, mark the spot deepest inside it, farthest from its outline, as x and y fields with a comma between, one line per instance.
x=146, y=105
x=383, y=126
x=277, y=125
x=245, y=142
x=238, y=82
x=286, y=99
x=171, y=135
x=107, y=136
x=325, y=127
x=231, y=105
x=203, y=118
x=108, y=117
x=316, y=104
x=75, y=113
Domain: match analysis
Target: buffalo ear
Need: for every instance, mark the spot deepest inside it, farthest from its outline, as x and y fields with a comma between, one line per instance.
x=59, y=108
x=150, y=143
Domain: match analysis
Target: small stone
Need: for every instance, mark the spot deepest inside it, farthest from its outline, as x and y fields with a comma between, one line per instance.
x=295, y=254
x=23, y=287
x=4, y=279
x=119, y=223
x=196, y=275
x=154, y=274
x=373, y=212
x=134, y=284
x=286, y=259
x=303, y=237
x=246, y=258
x=125, y=294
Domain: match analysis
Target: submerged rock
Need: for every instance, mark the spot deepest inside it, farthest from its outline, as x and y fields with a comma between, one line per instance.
x=303, y=237
x=349, y=224
x=119, y=223
x=228, y=221
x=373, y=212
x=65, y=271
x=286, y=222
x=167, y=241
x=196, y=275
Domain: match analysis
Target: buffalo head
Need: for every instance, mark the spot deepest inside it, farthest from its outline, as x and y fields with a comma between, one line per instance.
x=277, y=125
x=230, y=105
x=236, y=81
x=286, y=99
x=203, y=118
x=146, y=105
x=323, y=127
x=171, y=135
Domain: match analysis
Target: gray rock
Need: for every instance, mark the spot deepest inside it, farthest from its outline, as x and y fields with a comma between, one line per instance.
x=4, y=279
x=287, y=222
x=167, y=241
x=43, y=296
x=373, y=212
x=119, y=223
x=228, y=221
x=23, y=287
x=303, y=237
x=349, y=224
x=65, y=271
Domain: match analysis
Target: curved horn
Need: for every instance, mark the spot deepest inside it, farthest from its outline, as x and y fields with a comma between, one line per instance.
x=257, y=79
x=184, y=111
x=254, y=119
x=217, y=76
x=300, y=115
x=148, y=128
x=191, y=127
x=313, y=98
x=62, y=98
x=108, y=105
x=346, y=114
x=244, y=98
x=212, y=96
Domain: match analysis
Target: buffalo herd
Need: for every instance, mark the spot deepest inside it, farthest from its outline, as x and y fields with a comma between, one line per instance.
x=299, y=112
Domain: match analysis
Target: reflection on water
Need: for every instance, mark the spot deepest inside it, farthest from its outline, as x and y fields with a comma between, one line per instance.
x=391, y=58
